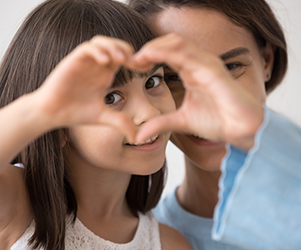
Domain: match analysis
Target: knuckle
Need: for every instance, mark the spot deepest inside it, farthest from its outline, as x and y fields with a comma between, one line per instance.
x=98, y=38
x=84, y=46
x=178, y=40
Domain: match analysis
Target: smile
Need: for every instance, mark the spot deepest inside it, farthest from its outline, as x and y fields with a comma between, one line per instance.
x=196, y=136
x=152, y=144
x=148, y=141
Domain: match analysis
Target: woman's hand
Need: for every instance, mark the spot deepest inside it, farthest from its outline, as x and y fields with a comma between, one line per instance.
x=214, y=107
x=74, y=92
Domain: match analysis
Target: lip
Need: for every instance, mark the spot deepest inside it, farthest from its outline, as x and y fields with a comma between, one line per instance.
x=156, y=144
x=203, y=142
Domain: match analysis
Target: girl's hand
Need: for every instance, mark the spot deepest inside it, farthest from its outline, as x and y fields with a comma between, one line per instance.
x=75, y=90
x=214, y=107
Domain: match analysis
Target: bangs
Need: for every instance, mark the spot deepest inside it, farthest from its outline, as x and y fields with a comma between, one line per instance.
x=125, y=75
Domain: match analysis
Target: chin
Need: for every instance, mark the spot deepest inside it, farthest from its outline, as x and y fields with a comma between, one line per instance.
x=149, y=168
x=210, y=164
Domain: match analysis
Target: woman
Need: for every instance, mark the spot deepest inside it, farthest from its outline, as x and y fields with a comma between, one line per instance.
x=248, y=39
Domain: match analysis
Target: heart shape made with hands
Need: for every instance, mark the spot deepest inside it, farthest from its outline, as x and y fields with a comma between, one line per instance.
x=215, y=106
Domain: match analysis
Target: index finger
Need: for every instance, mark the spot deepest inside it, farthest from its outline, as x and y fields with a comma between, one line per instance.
x=118, y=50
x=163, y=123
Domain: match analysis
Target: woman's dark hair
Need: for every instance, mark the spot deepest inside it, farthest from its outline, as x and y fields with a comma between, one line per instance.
x=49, y=33
x=254, y=15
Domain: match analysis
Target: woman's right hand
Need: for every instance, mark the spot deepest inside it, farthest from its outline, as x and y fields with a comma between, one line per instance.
x=215, y=106
x=74, y=92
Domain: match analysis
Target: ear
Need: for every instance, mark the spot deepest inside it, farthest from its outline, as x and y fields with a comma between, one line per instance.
x=267, y=53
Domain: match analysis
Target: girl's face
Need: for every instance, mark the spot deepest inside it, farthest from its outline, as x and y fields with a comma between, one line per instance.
x=104, y=147
x=213, y=32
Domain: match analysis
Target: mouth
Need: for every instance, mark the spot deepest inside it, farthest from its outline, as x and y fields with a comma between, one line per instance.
x=196, y=136
x=153, y=144
x=147, y=142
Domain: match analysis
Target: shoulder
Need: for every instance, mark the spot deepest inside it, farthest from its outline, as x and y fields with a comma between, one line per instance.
x=15, y=213
x=171, y=239
x=11, y=187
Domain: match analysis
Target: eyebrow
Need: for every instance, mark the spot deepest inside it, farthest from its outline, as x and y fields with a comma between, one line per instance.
x=234, y=52
x=151, y=71
x=132, y=74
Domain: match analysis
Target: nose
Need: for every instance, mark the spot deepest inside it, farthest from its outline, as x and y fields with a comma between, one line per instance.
x=144, y=110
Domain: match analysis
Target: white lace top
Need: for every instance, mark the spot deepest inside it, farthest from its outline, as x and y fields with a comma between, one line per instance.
x=78, y=237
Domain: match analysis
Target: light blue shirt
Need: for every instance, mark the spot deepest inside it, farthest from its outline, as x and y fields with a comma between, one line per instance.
x=260, y=191
x=197, y=230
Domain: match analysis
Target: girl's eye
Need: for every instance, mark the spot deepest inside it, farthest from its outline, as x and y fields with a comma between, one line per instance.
x=153, y=82
x=112, y=98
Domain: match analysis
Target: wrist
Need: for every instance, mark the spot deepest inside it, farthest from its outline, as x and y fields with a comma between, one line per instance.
x=246, y=139
x=33, y=114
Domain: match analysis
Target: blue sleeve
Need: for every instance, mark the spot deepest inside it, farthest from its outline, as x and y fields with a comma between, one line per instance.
x=260, y=191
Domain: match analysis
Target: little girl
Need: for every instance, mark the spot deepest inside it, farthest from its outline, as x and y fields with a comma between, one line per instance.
x=70, y=175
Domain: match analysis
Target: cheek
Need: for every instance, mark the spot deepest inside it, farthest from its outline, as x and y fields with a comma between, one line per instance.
x=253, y=82
x=259, y=93
x=106, y=140
x=96, y=144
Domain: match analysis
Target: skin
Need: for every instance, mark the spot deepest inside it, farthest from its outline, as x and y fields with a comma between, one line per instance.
x=212, y=103
x=100, y=161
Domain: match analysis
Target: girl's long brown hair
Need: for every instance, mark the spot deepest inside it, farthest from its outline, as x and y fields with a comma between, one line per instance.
x=49, y=33
x=254, y=15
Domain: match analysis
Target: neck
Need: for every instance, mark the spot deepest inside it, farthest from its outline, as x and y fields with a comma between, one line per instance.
x=100, y=193
x=198, y=194
x=101, y=200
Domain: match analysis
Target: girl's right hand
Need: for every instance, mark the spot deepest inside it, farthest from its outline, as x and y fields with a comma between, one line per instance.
x=74, y=92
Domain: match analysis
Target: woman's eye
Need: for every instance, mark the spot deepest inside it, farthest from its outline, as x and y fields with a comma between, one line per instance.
x=174, y=82
x=153, y=82
x=112, y=98
x=171, y=77
x=236, y=69
x=234, y=66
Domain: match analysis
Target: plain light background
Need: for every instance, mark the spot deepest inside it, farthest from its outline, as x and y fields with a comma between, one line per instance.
x=286, y=99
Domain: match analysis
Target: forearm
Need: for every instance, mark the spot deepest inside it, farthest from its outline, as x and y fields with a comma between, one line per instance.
x=20, y=123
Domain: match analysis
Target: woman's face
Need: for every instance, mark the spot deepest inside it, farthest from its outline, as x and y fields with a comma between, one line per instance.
x=104, y=147
x=215, y=33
